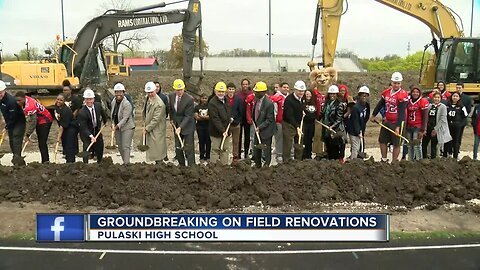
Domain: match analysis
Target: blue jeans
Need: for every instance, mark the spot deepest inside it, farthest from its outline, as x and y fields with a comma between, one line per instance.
x=476, y=142
x=414, y=150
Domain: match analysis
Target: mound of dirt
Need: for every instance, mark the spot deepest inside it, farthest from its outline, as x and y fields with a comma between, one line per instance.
x=217, y=187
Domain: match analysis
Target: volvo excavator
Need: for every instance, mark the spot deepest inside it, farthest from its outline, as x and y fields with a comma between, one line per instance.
x=82, y=62
x=456, y=58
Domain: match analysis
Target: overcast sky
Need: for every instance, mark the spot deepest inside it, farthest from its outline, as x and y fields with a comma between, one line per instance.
x=368, y=28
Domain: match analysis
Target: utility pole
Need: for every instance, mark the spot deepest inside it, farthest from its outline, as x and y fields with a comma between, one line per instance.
x=28, y=52
x=471, y=18
x=63, y=22
x=270, y=28
x=1, y=61
x=408, y=49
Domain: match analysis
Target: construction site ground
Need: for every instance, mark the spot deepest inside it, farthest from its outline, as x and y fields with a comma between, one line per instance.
x=430, y=195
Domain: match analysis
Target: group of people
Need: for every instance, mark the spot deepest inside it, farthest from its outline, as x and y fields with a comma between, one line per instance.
x=303, y=123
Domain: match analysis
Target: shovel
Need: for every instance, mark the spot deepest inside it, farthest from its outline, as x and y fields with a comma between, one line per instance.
x=55, y=151
x=260, y=145
x=224, y=137
x=392, y=131
x=1, y=141
x=25, y=145
x=182, y=146
x=299, y=145
x=362, y=154
x=143, y=147
x=327, y=127
x=86, y=153
x=112, y=139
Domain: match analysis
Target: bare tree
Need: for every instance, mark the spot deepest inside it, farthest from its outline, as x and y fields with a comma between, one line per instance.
x=131, y=39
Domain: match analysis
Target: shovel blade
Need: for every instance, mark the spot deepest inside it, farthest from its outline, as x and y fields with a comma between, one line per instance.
x=143, y=148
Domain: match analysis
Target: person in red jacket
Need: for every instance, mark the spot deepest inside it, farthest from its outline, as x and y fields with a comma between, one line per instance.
x=394, y=99
x=244, y=126
x=417, y=119
x=278, y=99
x=38, y=119
x=443, y=91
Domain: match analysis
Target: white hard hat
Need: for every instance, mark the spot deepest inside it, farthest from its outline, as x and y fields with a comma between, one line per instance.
x=88, y=93
x=150, y=87
x=397, y=77
x=364, y=89
x=333, y=90
x=3, y=86
x=119, y=87
x=300, y=85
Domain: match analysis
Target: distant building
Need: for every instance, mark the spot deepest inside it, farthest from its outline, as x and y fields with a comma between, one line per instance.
x=142, y=63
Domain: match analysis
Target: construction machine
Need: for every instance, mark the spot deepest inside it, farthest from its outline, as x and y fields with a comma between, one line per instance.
x=115, y=64
x=456, y=58
x=83, y=63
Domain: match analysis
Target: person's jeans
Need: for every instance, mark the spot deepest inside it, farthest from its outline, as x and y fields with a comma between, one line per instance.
x=414, y=150
x=476, y=142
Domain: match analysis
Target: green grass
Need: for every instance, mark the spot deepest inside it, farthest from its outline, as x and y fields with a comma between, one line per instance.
x=31, y=236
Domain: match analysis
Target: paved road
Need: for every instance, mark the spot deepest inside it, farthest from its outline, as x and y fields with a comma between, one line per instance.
x=294, y=256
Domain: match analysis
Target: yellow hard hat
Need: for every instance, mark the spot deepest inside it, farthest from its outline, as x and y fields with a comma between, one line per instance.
x=178, y=84
x=221, y=87
x=260, y=87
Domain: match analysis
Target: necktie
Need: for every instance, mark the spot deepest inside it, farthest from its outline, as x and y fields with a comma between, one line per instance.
x=94, y=120
x=257, y=109
x=176, y=103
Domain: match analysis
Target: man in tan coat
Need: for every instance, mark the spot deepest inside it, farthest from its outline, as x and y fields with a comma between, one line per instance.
x=154, y=115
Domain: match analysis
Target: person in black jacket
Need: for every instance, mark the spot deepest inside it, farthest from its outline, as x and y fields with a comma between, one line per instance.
x=466, y=100
x=309, y=123
x=219, y=117
x=162, y=96
x=332, y=116
x=90, y=118
x=456, y=117
x=68, y=129
x=235, y=103
x=15, y=123
x=263, y=116
x=202, y=117
x=357, y=121
x=292, y=118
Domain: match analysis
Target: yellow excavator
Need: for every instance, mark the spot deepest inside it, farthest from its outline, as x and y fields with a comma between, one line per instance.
x=456, y=58
x=82, y=62
x=115, y=64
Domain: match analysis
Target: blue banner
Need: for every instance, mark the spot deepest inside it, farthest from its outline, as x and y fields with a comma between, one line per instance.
x=238, y=221
x=60, y=227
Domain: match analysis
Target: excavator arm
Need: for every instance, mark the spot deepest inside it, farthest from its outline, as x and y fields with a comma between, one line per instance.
x=438, y=17
x=83, y=61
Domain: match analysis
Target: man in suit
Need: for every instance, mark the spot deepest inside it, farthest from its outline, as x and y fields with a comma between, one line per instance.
x=264, y=122
x=292, y=119
x=90, y=118
x=220, y=115
x=123, y=122
x=181, y=115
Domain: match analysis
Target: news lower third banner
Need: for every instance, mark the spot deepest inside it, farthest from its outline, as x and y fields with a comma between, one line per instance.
x=213, y=227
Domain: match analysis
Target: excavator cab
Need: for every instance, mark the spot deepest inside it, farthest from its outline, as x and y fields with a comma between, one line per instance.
x=458, y=61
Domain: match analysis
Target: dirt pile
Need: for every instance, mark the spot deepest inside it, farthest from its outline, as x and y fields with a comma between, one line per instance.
x=217, y=187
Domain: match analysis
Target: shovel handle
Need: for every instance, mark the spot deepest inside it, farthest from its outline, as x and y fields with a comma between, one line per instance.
x=327, y=127
x=25, y=144
x=224, y=137
x=392, y=131
x=112, y=136
x=3, y=136
x=257, y=133
x=56, y=152
x=96, y=136
x=178, y=135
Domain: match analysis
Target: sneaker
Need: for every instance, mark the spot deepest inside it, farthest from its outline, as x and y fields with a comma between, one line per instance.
x=384, y=160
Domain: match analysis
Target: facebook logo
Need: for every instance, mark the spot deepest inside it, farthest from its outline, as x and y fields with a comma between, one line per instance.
x=60, y=227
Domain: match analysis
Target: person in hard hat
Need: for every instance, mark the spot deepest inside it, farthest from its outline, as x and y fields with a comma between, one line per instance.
x=15, y=122
x=278, y=100
x=235, y=104
x=90, y=118
x=394, y=99
x=38, y=119
x=292, y=118
x=68, y=128
x=263, y=116
x=333, y=117
x=220, y=116
x=243, y=93
x=203, y=119
x=417, y=118
x=181, y=115
x=155, y=128
x=356, y=123
x=123, y=122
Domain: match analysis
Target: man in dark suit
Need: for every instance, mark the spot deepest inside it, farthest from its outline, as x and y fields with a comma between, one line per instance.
x=181, y=115
x=90, y=118
x=264, y=121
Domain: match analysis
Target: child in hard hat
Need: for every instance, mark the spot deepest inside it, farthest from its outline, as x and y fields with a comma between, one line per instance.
x=202, y=117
